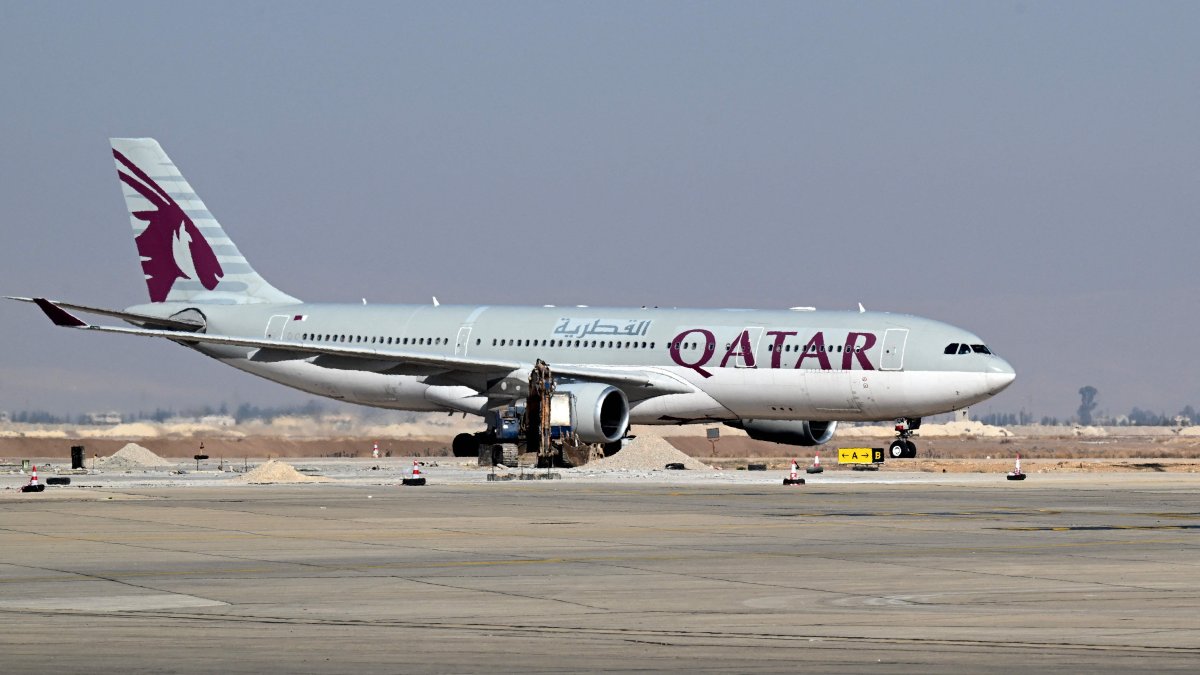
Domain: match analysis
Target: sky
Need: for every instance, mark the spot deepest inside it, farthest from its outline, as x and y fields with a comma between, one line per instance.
x=1024, y=170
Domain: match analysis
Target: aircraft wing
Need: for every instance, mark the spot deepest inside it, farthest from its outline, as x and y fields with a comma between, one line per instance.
x=638, y=384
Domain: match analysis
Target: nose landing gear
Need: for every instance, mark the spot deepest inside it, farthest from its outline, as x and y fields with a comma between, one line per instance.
x=903, y=447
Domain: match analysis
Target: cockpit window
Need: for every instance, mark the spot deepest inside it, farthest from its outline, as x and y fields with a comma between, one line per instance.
x=981, y=349
x=964, y=349
x=951, y=348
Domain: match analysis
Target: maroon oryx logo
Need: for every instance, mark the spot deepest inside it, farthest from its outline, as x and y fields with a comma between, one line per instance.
x=171, y=246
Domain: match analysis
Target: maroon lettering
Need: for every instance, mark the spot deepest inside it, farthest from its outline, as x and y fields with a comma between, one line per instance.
x=740, y=347
x=854, y=350
x=705, y=354
x=777, y=350
x=815, y=349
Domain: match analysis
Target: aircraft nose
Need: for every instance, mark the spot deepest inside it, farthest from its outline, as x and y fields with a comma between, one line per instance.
x=1000, y=374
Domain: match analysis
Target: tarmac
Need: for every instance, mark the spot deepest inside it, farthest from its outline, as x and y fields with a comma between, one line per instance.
x=853, y=573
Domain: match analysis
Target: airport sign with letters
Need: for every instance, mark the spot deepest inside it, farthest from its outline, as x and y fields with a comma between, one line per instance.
x=860, y=455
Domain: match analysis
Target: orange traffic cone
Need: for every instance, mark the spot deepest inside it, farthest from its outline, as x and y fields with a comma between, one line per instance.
x=793, y=476
x=417, y=478
x=34, y=485
x=375, y=450
x=816, y=465
x=1016, y=473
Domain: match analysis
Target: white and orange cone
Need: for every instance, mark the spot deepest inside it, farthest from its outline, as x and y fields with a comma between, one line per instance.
x=375, y=450
x=816, y=465
x=1016, y=474
x=33, y=477
x=795, y=470
x=416, y=472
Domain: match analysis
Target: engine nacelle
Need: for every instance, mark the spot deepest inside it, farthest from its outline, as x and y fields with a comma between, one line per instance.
x=788, y=432
x=600, y=413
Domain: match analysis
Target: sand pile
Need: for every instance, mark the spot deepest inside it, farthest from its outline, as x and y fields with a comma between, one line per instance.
x=132, y=457
x=646, y=453
x=275, y=471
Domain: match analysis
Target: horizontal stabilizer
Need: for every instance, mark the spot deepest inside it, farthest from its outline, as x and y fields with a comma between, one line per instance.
x=131, y=317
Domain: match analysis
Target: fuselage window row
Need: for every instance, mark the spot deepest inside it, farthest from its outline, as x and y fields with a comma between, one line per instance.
x=376, y=339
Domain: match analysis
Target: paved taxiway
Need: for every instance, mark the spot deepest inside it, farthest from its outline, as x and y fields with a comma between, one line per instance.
x=555, y=576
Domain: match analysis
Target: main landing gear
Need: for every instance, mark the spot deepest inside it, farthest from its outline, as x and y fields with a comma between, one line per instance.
x=902, y=447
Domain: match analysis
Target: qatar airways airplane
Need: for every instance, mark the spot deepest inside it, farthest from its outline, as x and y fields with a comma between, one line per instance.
x=787, y=376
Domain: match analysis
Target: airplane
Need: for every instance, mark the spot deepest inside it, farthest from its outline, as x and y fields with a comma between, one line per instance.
x=788, y=376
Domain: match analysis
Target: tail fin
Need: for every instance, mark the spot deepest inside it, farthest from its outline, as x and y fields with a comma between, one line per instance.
x=186, y=256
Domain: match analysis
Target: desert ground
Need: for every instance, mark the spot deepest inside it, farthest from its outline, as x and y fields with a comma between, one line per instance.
x=958, y=447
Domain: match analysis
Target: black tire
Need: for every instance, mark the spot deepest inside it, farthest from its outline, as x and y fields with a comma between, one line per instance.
x=898, y=449
x=465, y=445
x=910, y=448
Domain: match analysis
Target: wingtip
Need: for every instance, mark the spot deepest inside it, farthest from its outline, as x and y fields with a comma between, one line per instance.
x=58, y=315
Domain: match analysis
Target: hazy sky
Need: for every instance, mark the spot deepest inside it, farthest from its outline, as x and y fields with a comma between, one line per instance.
x=1028, y=170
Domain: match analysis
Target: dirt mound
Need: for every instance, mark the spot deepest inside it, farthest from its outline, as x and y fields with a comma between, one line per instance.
x=647, y=453
x=132, y=457
x=275, y=471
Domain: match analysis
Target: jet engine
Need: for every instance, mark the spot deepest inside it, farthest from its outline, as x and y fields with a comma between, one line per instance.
x=788, y=432
x=600, y=413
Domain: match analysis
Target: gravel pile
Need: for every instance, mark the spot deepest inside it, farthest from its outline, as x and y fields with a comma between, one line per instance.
x=132, y=457
x=274, y=471
x=647, y=453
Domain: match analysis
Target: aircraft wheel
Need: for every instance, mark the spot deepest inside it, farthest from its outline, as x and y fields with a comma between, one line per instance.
x=465, y=445
x=910, y=449
x=898, y=449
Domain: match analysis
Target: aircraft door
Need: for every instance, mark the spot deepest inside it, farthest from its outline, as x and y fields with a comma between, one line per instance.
x=894, y=340
x=460, y=343
x=275, y=327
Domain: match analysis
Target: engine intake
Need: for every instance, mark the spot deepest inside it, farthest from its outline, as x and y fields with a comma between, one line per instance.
x=600, y=413
x=788, y=432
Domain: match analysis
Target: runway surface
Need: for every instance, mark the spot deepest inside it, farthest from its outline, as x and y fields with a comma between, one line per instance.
x=552, y=576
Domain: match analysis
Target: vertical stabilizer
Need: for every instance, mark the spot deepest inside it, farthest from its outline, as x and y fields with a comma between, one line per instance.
x=186, y=255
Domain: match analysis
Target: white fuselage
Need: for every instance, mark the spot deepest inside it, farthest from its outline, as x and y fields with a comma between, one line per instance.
x=729, y=364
